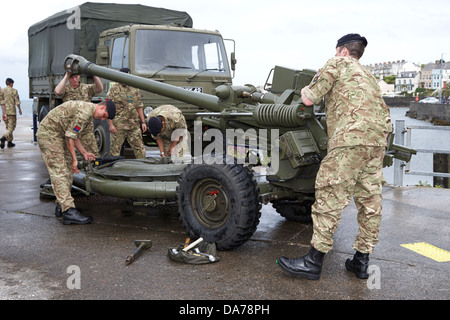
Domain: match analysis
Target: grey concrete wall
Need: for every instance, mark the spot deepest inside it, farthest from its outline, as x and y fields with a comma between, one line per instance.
x=396, y=102
x=435, y=112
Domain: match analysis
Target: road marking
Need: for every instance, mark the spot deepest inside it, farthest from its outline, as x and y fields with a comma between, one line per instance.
x=429, y=251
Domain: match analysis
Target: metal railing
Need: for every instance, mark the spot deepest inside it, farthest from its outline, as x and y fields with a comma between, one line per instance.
x=402, y=130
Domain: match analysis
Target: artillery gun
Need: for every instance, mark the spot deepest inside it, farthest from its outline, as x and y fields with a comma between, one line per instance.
x=219, y=199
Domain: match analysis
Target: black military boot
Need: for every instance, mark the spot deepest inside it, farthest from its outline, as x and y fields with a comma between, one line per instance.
x=58, y=211
x=358, y=265
x=11, y=145
x=309, y=265
x=2, y=142
x=73, y=216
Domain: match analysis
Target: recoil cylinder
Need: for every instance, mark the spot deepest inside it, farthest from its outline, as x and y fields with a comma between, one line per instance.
x=279, y=115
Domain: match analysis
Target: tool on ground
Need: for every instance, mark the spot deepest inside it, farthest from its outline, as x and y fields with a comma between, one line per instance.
x=141, y=245
x=186, y=243
x=199, y=252
x=210, y=257
x=189, y=247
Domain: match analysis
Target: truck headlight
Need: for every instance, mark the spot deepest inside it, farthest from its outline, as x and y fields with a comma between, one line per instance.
x=147, y=111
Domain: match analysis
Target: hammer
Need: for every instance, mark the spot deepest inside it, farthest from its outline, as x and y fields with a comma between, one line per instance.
x=141, y=245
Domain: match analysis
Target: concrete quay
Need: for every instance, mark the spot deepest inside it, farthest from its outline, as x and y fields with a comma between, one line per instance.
x=39, y=256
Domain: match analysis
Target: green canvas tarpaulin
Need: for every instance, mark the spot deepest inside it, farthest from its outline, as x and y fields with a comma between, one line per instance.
x=77, y=30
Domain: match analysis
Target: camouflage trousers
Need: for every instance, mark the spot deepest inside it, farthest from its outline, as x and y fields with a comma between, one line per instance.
x=87, y=139
x=134, y=138
x=59, y=165
x=346, y=172
x=10, y=123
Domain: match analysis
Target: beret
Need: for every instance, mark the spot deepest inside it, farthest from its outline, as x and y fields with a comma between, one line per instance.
x=351, y=37
x=111, y=108
x=155, y=125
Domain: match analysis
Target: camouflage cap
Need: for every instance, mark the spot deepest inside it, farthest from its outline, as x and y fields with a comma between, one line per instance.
x=351, y=37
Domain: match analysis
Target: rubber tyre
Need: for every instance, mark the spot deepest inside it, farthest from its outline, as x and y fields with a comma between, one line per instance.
x=293, y=211
x=219, y=203
x=43, y=113
x=102, y=138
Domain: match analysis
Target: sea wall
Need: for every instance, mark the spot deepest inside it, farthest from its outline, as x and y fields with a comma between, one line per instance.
x=437, y=113
x=398, y=102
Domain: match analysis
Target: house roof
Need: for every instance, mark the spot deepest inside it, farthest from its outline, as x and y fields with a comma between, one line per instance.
x=407, y=74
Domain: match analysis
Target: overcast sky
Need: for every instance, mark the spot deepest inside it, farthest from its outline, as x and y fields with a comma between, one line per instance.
x=292, y=33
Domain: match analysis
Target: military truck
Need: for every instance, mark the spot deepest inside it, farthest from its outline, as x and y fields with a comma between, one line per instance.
x=154, y=43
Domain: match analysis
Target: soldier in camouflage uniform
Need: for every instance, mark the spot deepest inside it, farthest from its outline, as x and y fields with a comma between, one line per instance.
x=58, y=137
x=2, y=103
x=129, y=119
x=358, y=123
x=168, y=127
x=77, y=91
x=10, y=100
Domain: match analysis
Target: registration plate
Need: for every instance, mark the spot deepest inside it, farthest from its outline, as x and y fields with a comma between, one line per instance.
x=194, y=89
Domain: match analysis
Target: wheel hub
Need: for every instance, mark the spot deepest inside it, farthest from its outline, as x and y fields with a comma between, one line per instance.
x=210, y=203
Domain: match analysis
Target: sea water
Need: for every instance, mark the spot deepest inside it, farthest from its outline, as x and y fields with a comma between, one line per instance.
x=420, y=139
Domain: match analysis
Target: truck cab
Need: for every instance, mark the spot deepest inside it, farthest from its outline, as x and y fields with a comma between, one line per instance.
x=193, y=59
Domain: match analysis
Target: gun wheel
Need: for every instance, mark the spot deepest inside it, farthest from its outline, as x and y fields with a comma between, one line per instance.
x=219, y=203
x=294, y=211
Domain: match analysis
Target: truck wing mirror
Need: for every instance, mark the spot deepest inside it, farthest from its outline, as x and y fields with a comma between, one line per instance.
x=102, y=55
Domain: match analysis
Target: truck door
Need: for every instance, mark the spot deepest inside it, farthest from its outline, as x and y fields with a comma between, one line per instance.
x=120, y=52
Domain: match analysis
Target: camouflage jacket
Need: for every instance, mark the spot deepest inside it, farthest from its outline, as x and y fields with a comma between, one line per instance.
x=84, y=92
x=11, y=100
x=67, y=120
x=127, y=100
x=174, y=120
x=355, y=110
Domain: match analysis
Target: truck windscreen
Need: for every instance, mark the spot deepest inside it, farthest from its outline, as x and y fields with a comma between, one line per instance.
x=178, y=51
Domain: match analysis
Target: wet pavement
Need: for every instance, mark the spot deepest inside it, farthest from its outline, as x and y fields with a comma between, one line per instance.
x=41, y=259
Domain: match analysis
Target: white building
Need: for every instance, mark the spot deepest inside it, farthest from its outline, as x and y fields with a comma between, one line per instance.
x=407, y=81
x=391, y=68
x=386, y=89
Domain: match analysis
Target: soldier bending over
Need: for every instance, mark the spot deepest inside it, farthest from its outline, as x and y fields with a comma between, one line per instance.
x=57, y=138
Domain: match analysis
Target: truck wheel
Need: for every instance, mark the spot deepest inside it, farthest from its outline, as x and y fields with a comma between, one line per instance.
x=101, y=134
x=219, y=203
x=294, y=211
x=43, y=112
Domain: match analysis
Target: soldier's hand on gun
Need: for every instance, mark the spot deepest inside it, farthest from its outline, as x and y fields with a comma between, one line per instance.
x=68, y=70
x=89, y=156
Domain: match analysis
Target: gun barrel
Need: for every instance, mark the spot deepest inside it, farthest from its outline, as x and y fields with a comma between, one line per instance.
x=78, y=64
